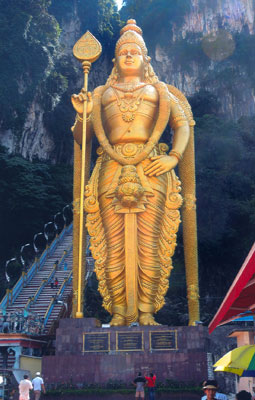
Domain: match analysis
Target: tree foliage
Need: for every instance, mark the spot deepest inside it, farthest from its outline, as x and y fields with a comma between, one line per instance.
x=31, y=193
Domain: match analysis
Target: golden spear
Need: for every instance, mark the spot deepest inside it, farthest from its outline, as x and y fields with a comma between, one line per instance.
x=86, y=50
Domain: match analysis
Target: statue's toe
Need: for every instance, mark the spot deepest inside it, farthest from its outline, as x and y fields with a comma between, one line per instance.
x=147, y=319
x=117, y=320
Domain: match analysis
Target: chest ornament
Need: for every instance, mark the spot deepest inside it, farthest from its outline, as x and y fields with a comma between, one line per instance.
x=128, y=104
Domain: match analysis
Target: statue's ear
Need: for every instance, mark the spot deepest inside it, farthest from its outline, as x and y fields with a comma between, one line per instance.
x=113, y=60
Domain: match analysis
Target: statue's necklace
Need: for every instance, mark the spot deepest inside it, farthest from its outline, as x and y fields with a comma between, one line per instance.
x=128, y=87
x=129, y=103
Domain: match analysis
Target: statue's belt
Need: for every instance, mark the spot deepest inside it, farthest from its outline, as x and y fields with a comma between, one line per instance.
x=130, y=150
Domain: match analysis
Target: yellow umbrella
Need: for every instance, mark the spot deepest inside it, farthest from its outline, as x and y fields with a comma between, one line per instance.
x=237, y=371
x=241, y=358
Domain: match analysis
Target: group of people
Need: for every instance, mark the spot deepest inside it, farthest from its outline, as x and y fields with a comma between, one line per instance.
x=37, y=385
x=54, y=284
x=210, y=388
x=145, y=381
x=21, y=321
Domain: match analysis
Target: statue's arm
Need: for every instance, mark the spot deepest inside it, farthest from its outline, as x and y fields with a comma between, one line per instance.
x=180, y=126
x=77, y=102
x=164, y=163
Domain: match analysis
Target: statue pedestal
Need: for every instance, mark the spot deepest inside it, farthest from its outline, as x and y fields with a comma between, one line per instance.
x=87, y=353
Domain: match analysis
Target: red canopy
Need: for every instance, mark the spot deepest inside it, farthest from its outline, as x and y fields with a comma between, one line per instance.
x=241, y=295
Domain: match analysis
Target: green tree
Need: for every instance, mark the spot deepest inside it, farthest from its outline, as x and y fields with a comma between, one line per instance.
x=31, y=193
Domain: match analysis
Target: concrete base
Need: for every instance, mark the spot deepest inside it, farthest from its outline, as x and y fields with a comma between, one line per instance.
x=79, y=363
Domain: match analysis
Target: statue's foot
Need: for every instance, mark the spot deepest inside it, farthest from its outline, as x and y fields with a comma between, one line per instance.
x=117, y=320
x=147, y=319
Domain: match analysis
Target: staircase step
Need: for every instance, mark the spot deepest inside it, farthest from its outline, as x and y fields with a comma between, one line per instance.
x=30, y=288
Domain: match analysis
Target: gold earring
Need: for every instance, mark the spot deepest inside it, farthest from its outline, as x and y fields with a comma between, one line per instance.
x=146, y=72
x=115, y=74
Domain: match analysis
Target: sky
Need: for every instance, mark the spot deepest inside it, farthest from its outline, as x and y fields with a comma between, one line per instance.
x=119, y=3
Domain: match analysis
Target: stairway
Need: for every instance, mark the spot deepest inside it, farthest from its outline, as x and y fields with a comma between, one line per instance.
x=44, y=305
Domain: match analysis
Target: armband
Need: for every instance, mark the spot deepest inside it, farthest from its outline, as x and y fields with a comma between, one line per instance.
x=176, y=154
x=178, y=121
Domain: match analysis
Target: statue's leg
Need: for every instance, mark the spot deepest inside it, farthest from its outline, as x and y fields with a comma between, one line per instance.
x=115, y=263
x=149, y=225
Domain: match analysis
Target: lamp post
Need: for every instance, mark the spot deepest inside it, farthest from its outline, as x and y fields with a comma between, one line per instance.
x=21, y=253
x=46, y=232
x=56, y=216
x=64, y=211
x=36, y=249
x=6, y=266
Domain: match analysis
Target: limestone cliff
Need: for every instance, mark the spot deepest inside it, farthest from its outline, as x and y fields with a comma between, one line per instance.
x=213, y=30
x=207, y=16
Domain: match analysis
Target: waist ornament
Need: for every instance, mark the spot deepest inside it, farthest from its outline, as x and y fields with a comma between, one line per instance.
x=130, y=150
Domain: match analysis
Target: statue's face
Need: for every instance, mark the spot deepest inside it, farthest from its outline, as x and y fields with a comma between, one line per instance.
x=130, y=60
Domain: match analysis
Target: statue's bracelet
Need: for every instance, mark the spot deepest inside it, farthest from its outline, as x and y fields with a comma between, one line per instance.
x=78, y=118
x=176, y=154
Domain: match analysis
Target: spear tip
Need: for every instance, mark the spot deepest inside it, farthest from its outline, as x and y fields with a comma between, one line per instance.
x=87, y=48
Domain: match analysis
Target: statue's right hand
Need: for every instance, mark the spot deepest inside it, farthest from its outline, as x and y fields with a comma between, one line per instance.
x=78, y=101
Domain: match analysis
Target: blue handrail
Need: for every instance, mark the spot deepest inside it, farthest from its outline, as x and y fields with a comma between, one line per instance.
x=59, y=296
x=48, y=312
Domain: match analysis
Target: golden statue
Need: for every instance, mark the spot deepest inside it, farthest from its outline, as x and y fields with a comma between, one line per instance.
x=132, y=199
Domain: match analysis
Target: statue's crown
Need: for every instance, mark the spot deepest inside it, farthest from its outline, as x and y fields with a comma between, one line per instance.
x=131, y=33
x=131, y=26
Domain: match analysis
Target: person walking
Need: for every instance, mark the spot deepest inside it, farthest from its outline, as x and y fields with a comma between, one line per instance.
x=139, y=382
x=38, y=386
x=56, y=282
x=151, y=383
x=25, y=386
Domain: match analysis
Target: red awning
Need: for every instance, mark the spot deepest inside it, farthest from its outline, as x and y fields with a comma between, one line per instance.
x=241, y=295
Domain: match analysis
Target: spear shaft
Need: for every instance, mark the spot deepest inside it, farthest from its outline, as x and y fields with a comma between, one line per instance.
x=86, y=67
x=86, y=50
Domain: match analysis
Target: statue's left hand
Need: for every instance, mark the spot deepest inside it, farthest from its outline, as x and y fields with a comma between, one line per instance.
x=160, y=165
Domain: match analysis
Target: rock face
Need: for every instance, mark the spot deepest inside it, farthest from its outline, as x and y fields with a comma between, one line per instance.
x=215, y=23
x=200, y=54
x=206, y=16
x=35, y=141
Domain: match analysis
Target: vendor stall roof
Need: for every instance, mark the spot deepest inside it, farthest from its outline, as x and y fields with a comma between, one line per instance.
x=241, y=295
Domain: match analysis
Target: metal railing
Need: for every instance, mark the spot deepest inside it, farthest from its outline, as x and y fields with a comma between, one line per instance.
x=48, y=233
x=57, y=297
x=12, y=294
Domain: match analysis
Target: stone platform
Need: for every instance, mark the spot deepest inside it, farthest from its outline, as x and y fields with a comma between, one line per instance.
x=88, y=353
